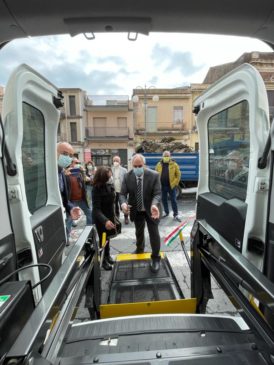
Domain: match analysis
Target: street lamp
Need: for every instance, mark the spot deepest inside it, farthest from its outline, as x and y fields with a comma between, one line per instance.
x=135, y=99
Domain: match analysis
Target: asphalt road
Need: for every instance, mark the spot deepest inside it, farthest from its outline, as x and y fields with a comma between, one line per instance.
x=125, y=243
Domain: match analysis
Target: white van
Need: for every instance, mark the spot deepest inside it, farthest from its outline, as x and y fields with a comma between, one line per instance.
x=232, y=238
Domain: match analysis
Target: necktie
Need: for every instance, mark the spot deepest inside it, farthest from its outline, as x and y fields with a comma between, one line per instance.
x=139, y=194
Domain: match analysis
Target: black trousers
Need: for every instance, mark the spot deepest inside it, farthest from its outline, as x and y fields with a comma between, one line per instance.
x=152, y=225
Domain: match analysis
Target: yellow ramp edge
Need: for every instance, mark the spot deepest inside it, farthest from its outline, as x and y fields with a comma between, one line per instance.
x=135, y=256
x=142, y=308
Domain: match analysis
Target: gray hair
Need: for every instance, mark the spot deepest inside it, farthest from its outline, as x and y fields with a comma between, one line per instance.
x=139, y=155
x=165, y=153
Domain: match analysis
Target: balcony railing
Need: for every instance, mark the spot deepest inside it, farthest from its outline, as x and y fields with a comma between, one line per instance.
x=107, y=132
x=107, y=100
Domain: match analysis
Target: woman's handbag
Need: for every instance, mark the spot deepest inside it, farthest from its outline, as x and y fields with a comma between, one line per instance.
x=115, y=231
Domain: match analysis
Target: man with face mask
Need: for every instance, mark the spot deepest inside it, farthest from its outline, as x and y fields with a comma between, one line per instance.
x=236, y=171
x=64, y=155
x=139, y=197
x=78, y=197
x=170, y=175
x=118, y=173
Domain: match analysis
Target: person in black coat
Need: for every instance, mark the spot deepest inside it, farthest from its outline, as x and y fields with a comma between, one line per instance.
x=103, y=212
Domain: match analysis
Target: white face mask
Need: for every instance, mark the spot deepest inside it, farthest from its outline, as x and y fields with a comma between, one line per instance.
x=232, y=165
x=116, y=164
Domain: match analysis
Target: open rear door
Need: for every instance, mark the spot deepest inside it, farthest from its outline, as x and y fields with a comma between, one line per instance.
x=233, y=123
x=31, y=116
x=7, y=243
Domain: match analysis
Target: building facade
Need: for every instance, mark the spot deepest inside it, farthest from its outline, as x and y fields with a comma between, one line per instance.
x=109, y=128
x=170, y=116
x=262, y=61
x=72, y=120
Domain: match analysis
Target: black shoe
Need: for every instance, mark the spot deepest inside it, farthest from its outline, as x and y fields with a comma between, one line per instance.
x=109, y=259
x=106, y=265
x=154, y=265
x=126, y=220
x=165, y=215
x=176, y=217
x=139, y=250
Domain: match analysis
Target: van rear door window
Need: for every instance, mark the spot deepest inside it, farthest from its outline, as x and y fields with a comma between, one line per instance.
x=33, y=157
x=229, y=149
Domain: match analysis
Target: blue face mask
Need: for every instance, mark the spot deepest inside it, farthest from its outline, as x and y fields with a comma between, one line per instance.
x=138, y=171
x=64, y=161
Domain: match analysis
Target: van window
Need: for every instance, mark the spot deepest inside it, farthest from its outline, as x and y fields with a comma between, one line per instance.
x=229, y=146
x=33, y=157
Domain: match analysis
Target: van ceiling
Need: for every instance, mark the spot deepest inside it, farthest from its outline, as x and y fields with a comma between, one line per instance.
x=22, y=18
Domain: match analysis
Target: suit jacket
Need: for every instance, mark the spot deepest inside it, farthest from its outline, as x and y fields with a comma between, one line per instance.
x=151, y=191
x=64, y=190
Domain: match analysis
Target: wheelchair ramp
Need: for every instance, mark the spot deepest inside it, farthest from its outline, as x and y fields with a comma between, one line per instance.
x=136, y=290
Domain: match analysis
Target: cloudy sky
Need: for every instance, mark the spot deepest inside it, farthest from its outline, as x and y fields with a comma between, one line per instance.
x=111, y=64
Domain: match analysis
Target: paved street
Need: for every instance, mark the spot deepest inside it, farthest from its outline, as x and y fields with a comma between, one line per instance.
x=125, y=243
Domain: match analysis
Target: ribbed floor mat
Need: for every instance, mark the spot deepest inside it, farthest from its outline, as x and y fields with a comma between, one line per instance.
x=137, y=269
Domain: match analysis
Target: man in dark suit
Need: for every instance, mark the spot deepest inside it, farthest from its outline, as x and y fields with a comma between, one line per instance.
x=64, y=155
x=140, y=196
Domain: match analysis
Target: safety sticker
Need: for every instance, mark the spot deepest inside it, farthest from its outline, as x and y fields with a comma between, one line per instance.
x=4, y=299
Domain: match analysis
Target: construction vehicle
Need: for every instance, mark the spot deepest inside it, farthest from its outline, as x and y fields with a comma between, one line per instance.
x=232, y=238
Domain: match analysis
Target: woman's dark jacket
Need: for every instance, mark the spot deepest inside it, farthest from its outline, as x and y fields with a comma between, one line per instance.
x=103, y=209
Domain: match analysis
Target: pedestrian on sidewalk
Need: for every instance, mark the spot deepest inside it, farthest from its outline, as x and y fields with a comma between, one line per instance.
x=90, y=169
x=65, y=154
x=118, y=173
x=170, y=176
x=76, y=177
